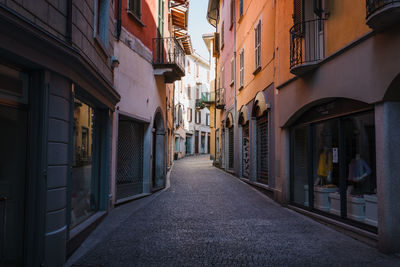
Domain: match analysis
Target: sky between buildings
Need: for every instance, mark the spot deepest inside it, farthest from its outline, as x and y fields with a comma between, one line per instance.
x=198, y=25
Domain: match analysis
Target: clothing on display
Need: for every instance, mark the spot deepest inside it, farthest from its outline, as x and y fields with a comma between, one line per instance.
x=358, y=170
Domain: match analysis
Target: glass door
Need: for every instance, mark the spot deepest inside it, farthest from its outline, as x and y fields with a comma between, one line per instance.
x=13, y=142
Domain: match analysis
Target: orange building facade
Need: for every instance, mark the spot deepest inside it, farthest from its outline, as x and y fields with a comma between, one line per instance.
x=316, y=101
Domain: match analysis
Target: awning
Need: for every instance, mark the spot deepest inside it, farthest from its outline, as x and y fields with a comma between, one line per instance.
x=260, y=105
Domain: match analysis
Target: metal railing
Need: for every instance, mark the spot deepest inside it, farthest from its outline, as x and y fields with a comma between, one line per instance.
x=375, y=5
x=220, y=98
x=307, y=42
x=167, y=51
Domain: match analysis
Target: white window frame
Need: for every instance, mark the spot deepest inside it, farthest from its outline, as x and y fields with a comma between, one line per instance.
x=257, y=45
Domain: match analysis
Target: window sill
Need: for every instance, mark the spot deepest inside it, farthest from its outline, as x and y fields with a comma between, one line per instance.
x=222, y=47
x=240, y=87
x=240, y=18
x=230, y=27
x=232, y=83
x=135, y=18
x=257, y=70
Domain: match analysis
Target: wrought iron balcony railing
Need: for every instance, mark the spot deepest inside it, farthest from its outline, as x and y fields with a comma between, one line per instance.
x=307, y=45
x=220, y=98
x=382, y=13
x=206, y=99
x=168, y=53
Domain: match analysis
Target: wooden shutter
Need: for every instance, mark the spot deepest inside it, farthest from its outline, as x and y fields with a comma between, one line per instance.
x=298, y=15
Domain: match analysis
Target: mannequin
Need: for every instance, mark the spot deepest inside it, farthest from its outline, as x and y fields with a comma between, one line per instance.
x=325, y=166
x=358, y=171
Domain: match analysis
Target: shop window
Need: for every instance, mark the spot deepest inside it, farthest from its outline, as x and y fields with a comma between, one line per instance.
x=333, y=163
x=84, y=200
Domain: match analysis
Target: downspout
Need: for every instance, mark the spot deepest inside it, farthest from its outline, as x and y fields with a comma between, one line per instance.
x=235, y=122
x=118, y=33
x=69, y=22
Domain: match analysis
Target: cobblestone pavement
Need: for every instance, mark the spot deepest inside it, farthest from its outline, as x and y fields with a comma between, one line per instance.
x=208, y=217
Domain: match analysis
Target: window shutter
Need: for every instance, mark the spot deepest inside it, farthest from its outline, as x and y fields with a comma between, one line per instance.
x=298, y=15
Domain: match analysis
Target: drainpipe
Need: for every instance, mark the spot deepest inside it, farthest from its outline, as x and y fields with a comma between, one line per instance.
x=235, y=123
x=118, y=33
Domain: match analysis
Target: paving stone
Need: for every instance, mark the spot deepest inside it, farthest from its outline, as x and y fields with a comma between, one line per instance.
x=208, y=217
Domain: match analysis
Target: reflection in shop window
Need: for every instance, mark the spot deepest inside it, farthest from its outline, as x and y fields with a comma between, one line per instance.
x=83, y=202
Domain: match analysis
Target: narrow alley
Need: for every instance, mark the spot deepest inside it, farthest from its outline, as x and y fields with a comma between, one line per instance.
x=208, y=217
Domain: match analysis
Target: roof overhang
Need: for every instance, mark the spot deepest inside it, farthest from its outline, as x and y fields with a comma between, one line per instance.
x=212, y=12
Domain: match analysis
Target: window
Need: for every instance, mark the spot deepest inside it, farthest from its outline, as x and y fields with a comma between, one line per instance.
x=232, y=14
x=208, y=119
x=223, y=77
x=241, y=68
x=197, y=70
x=240, y=8
x=101, y=21
x=189, y=90
x=189, y=115
x=257, y=46
x=160, y=25
x=135, y=8
x=198, y=117
x=188, y=66
x=222, y=35
x=197, y=92
x=84, y=201
x=232, y=71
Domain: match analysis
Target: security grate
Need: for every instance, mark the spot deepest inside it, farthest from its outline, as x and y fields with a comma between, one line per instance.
x=246, y=152
x=130, y=159
x=230, y=132
x=262, y=150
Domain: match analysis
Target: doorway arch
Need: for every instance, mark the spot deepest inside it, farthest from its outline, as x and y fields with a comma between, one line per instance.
x=158, y=162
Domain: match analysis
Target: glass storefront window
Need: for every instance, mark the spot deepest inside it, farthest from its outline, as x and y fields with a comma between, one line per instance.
x=300, y=193
x=83, y=200
x=326, y=165
x=359, y=133
x=339, y=163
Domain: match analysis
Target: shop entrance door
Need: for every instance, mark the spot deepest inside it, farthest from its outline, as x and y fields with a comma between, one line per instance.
x=130, y=158
x=245, y=152
x=196, y=142
x=13, y=143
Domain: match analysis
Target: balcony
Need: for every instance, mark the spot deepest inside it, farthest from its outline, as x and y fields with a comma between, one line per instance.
x=307, y=46
x=168, y=59
x=382, y=13
x=206, y=100
x=220, y=98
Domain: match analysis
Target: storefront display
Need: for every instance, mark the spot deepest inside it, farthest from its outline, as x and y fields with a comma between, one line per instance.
x=336, y=141
x=83, y=202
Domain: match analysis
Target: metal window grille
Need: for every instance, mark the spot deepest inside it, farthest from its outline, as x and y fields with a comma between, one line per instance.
x=130, y=159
